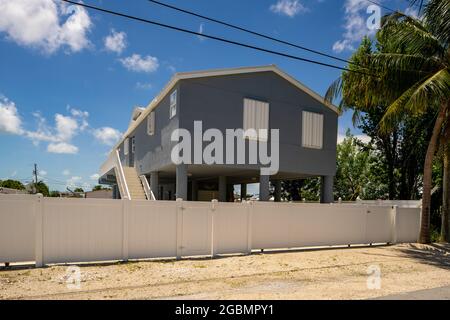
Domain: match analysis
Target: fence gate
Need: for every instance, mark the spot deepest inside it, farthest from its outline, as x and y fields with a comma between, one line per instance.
x=196, y=229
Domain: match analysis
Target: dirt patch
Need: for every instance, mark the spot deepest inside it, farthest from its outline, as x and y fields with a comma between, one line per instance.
x=306, y=274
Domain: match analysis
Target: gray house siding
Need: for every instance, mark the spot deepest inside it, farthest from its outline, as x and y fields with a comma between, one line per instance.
x=153, y=151
x=218, y=102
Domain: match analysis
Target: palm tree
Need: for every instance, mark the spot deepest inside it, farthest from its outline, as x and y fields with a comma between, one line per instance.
x=409, y=72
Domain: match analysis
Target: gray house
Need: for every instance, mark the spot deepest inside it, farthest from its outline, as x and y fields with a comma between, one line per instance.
x=141, y=164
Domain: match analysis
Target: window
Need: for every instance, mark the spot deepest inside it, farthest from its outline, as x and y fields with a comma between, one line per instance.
x=256, y=116
x=173, y=104
x=133, y=145
x=126, y=145
x=312, y=130
x=151, y=123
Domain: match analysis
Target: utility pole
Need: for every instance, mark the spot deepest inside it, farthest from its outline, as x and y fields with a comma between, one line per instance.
x=35, y=173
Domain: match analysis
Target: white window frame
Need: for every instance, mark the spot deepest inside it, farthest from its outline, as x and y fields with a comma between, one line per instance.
x=151, y=123
x=126, y=145
x=173, y=104
x=312, y=130
x=256, y=117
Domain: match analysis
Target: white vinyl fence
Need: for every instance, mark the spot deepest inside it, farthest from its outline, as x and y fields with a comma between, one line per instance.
x=58, y=230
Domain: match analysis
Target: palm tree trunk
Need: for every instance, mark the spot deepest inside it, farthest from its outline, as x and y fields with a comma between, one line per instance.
x=445, y=228
x=427, y=177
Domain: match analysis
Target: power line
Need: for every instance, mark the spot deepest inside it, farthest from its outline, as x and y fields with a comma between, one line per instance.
x=250, y=31
x=214, y=37
x=381, y=6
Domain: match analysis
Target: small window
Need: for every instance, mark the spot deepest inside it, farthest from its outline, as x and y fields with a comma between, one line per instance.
x=173, y=104
x=256, y=117
x=126, y=145
x=151, y=123
x=312, y=130
x=133, y=144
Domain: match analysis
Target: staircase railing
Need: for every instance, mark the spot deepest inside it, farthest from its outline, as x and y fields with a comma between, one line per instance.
x=148, y=191
x=121, y=180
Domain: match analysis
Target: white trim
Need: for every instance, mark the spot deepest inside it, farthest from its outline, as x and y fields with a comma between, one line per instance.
x=221, y=72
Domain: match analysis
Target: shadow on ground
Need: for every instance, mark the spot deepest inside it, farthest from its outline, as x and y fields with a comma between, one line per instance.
x=437, y=254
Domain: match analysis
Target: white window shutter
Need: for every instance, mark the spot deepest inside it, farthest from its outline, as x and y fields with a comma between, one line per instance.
x=151, y=123
x=256, y=117
x=126, y=146
x=312, y=130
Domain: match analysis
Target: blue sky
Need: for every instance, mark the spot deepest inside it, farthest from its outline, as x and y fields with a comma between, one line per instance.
x=69, y=78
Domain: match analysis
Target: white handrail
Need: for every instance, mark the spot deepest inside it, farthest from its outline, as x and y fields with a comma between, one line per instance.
x=148, y=191
x=121, y=176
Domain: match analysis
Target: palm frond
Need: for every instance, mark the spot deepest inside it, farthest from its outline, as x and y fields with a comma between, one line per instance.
x=437, y=18
x=418, y=99
x=334, y=90
x=398, y=62
x=407, y=33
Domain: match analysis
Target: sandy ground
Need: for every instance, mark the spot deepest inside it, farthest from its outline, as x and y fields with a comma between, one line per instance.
x=303, y=274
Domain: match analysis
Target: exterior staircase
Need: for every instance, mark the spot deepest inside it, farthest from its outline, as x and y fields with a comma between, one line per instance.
x=134, y=184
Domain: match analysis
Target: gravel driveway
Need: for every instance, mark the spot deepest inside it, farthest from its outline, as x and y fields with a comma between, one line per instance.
x=344, y=273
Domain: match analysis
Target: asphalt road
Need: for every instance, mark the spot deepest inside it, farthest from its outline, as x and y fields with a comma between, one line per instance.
x=441, y=293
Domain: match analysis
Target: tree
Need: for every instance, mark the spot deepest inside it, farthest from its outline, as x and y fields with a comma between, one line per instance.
x=358, y=171
x=99, y=187
x=78, y=190
x=410, y=74
x=445, y=224
x=12, y=184
x=41, y=187
x=54, y=194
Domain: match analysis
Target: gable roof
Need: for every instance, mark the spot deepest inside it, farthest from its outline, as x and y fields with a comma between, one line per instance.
x=220, y=72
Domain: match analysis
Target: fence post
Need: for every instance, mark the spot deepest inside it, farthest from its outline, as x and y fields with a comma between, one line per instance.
x=394, y=224
x=39, y=235
x=126, y=208
x=214, y=203
x=249, y=206
x=179, y=210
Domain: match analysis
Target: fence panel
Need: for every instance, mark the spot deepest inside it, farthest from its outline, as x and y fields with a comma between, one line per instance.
x=152, y=229
x=279, y=225
x=196, y=228
x=77, y=230
x=231, y=228
x=17, y=227
x=83, y=230
x=379, y=224
x=408, y=224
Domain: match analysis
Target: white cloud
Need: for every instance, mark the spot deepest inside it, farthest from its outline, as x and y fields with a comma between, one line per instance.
x=42, y=173
x=355, y=25
x=45, y=24
x=107, y=135
x=288, y=8
x=10, y=121
x=66, y=127
x=138, y=63
x=66, y=172
x=59, y=137
x=94, y=176
x=81, y=116
x=201, y=30
x=73, y=182
x=116, y=41
x=62, y=147
x=143, y=85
